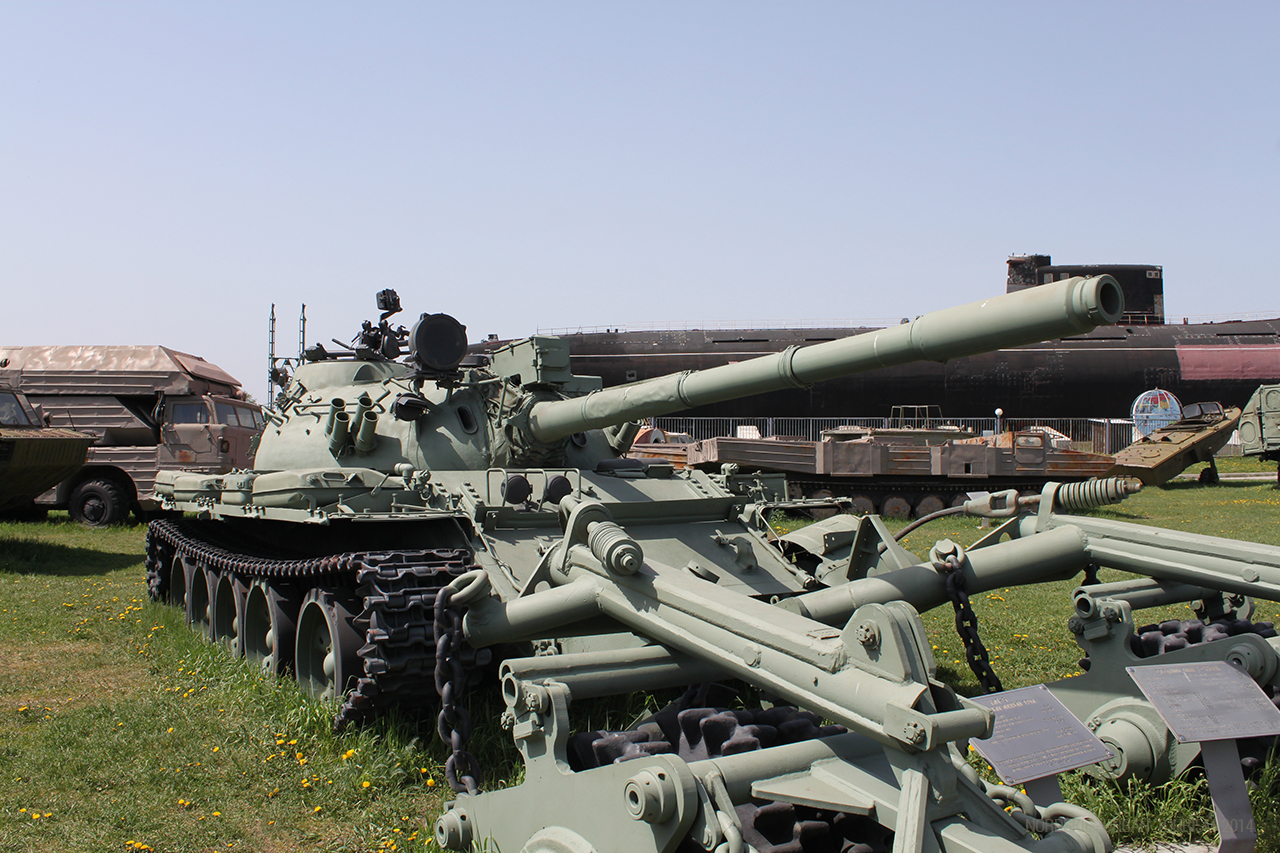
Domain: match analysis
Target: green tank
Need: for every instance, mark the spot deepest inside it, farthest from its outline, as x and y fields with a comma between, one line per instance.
x=381, y=478
x=404, y=515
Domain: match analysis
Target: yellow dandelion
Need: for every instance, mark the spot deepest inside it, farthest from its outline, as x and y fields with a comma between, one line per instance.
x=316, y=809
x=364, y=784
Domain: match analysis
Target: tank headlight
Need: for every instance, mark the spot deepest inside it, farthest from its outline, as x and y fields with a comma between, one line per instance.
x=438, y=343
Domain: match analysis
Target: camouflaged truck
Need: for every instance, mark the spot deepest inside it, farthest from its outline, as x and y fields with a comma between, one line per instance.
x=148, y=407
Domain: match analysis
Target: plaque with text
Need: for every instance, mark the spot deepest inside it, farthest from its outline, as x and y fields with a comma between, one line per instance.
x=1210, y=700
x=1035, y=736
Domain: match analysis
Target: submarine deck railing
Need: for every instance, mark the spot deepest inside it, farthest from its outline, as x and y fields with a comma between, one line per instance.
x=1099, y=435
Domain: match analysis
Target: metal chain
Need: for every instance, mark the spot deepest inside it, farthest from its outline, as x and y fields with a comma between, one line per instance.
x=453, y=723
x=967, y=626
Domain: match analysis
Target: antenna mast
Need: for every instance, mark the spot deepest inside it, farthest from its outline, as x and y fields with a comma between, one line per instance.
x=278, y=368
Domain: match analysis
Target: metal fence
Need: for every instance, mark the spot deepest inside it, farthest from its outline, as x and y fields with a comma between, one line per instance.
x=1100, y=435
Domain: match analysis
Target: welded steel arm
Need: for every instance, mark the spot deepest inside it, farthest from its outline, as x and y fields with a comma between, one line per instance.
x=1054, y=546
x=1230, y=565
x=872, y=676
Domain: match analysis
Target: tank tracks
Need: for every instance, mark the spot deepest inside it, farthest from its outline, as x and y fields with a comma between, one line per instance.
x=397, y=592
x=699, y=733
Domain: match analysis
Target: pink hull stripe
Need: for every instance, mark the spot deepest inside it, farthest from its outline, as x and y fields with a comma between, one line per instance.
x=1230, y=362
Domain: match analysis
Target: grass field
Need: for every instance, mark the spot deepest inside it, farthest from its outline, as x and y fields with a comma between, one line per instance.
x=121, y=730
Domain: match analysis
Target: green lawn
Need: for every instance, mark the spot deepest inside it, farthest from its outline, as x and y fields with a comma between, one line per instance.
x=121, y=730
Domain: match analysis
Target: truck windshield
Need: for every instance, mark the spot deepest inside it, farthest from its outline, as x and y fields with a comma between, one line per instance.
x=238, y=416
x=11, y=413
x=189, y=413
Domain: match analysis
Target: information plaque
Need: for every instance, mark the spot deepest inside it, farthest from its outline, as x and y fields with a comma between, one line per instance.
x=1209, y=700
x=1035, y=736
x=1213, y=703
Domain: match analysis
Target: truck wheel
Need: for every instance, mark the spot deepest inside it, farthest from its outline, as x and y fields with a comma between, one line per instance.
x=99, y=503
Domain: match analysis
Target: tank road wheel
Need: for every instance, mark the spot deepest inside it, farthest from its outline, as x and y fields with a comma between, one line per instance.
x=198, y=598
x=327, y=646
x=176, y=581
x=896, y=506
x=960, y=499
x=270, y=616
x=98, y=503
x=227, y=611
x=862, y=505
x=928, y=505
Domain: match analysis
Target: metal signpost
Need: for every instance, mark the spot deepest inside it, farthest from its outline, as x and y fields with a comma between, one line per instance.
x=1214, y=703
x=1035, y=739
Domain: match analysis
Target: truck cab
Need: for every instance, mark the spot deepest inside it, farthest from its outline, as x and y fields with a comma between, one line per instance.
x=208, y=434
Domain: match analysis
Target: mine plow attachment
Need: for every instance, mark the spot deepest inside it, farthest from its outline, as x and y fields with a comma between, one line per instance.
x=1218, y=577
x=895, y=766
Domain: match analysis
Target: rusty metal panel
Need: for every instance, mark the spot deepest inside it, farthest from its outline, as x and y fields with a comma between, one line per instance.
x=824, y=456
x=796, y=456
x=858, y=458
x=1070, y=463
x=676, y=454
x=909, y=460
x=965, y=460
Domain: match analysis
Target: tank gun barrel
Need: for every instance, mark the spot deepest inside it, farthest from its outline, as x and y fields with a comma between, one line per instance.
x=1069, y=307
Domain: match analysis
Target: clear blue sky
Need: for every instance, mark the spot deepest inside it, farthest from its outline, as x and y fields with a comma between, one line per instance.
x=168, y=170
